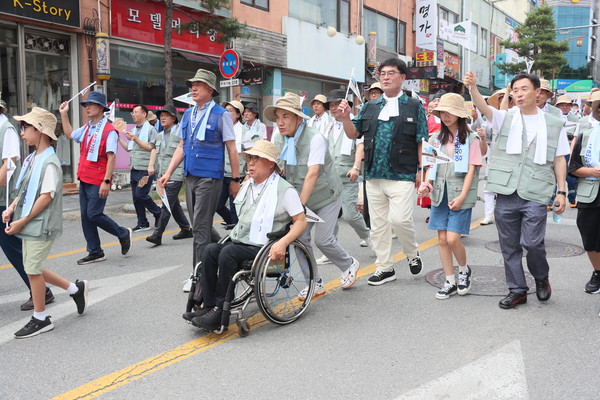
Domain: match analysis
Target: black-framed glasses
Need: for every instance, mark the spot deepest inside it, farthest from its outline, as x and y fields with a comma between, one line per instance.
x=24, y=125
x=252, y=157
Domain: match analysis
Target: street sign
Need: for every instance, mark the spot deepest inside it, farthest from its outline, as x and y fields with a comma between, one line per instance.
x=229, y=83
x=230, y=64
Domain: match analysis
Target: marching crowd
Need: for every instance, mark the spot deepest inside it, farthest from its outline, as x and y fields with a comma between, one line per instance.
x=539, y=156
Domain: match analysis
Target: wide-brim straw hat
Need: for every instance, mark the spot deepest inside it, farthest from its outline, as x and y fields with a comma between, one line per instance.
x=321, y=98
x=594, y=98
x=290, y=102
x=263, y=149
x=42, y=120
x=452, y=103
x=545, y=84
x=235, y=104
x=494, y=99
x=206, y=76
x=564, y=99
x=151, y=116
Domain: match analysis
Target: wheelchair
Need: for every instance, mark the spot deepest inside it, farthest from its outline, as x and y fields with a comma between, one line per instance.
x=274, y=285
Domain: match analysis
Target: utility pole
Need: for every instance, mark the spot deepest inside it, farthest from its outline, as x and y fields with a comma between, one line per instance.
x=595, y=67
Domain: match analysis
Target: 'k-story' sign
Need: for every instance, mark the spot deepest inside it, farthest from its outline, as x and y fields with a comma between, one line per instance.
x=60, y=12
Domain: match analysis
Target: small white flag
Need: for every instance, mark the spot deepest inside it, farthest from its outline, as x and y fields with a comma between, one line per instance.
x=354, y=86
x=186, y=98
x=461, y=33
x=110, y=114
x=84, y=91
x=431, y=156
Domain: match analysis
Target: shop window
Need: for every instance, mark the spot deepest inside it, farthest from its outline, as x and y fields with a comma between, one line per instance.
x=391, y=33
x=8, y=70
x=334, y=13
x=484, y=42
x=474, y=37
x=261, y=4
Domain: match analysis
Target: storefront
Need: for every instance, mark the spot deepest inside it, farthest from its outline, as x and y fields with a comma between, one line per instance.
x=38, y=63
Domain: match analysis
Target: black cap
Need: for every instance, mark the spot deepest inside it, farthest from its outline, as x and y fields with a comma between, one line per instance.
x=337, y=95
x=170, y=108
x=252, y=107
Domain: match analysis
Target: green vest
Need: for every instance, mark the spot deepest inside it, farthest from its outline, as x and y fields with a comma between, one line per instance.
x=584, y=124
x=48, y=224
x=328, y=186
x=140, y=158
x=342, y=163
x=13, y=179
x=554, y=110
x=517, y=172
x=587, y=189
x=246, y=208
x=165, y=152
x=446, y=179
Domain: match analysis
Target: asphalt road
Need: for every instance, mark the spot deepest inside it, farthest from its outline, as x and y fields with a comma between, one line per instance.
x=390, y=342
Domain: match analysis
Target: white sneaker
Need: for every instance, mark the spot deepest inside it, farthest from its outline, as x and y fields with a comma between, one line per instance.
x=349, y=276
x=187, y=285
x=319, y=290
x=486, y=221
x=366, y=242
x=323, y=260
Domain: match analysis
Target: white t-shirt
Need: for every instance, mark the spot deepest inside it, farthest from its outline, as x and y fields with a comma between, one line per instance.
x=318, y=150
x=10, y=146
x=291, y=199
x=563, y=142
x=50, y=180
x=338, y=128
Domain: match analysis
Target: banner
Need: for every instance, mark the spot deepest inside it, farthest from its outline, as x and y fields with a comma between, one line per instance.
x=426, y=24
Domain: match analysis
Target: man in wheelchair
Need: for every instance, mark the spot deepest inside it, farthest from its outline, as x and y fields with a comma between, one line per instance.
x=265, y=203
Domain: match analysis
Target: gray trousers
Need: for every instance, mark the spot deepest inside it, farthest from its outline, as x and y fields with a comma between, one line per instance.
x=201, y=196
x=350, y=211
x=324, y=237
x=521, y=224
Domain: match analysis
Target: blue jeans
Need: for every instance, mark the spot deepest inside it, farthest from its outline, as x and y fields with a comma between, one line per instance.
x=93, y=217
x=13, y=249
x=141, y=197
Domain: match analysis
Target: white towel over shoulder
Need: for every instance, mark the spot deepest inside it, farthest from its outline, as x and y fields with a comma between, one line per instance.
x=515, y=137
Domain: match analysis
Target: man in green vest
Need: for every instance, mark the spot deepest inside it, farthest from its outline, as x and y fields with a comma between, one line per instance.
x=266, y=203
x=167, y=142
x=140, y=143
x=528, y=161
x=393, y=127
x=12, y=245
x=308, y=166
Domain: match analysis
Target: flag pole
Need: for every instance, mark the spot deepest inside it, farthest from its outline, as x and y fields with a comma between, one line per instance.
x=348, y=88
x=83, y=91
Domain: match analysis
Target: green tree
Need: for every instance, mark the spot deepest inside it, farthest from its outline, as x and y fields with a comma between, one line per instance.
x=224, y=29
x=537, y=42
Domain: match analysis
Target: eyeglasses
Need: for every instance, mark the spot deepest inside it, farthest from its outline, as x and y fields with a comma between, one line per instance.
x=252, y=157
x=24, y=125
x=391, y=73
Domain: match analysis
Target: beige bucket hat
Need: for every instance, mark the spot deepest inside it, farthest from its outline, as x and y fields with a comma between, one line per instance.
x=264, y=149
x=203, y=75
x=564, y=99
x=452, y=103
x=289, y=102
x=594, y=98
x=3, y=108
x=545, y=84
x=42, y=120
x=320, y=98
x=376, y=86
x=494, y=99
x=151, y=116
x=235, y=104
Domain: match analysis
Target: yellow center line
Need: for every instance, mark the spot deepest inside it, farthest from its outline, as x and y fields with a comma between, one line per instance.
x=71, y=252
x=138, y=370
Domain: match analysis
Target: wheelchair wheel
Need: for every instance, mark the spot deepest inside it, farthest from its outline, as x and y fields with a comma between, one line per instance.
x=278, y=284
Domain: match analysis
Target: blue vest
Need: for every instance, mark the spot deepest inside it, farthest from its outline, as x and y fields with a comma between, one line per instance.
x=206, y=158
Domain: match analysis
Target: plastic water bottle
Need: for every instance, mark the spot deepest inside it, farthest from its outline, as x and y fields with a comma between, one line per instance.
x=557, y=218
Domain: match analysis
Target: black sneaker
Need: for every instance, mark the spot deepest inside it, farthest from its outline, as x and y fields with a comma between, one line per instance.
x=379, y=278
x=80, y=298
x=34, y=327
x=512, y=300
x=593, y=286
x=210, y=321
x=415, y=265
x=92, y=258
x=446, y=291
x=543, y=290
x=126, y=242
x=139, y=228
x=154, y=239
x=184, y=234
x=464, y=281
x=189, y=316
x=28, y=305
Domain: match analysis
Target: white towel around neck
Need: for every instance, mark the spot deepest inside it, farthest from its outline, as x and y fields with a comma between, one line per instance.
x=262, y=220
x=515, y=137
x=390, y=109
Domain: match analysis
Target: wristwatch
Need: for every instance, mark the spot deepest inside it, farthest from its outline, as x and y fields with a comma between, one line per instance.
x=561, y=192
x=107, y=181
x=238, y=179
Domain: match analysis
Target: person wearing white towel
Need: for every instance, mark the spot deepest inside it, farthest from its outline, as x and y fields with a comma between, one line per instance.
x=528, y=161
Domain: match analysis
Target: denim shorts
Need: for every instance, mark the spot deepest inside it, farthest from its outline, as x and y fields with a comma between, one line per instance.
x=444, y=219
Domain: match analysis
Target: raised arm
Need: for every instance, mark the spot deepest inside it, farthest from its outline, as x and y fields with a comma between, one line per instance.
x=470, y=82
